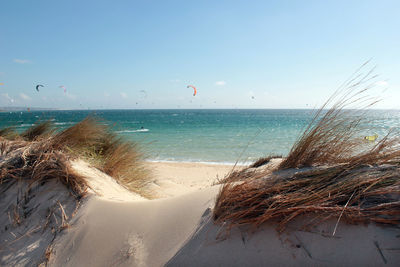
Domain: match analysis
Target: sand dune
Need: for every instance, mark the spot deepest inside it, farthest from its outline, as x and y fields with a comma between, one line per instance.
x=114, y=227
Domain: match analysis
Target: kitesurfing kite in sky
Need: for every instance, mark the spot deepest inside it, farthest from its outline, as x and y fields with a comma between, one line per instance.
x=194, y=88
x=37, y=87
x=371, y=137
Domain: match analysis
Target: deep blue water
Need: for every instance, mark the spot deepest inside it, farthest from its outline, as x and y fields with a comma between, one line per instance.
x=201, y=135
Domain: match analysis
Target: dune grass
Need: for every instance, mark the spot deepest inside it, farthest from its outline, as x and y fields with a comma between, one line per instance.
x=39, y=130
x=330, y=172
x=263, y=161
x=36, y=163
x=92, y=140
x=41, y=153
x=9, y=133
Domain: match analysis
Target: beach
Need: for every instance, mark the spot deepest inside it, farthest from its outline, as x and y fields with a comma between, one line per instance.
x=177, y=178
x=83, y=196
x=115, y=227
x=199, y=133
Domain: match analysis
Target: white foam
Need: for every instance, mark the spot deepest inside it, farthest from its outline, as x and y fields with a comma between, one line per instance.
x=133, y=131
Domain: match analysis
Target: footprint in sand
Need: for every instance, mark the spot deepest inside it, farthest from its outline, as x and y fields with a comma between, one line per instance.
x=135, y=249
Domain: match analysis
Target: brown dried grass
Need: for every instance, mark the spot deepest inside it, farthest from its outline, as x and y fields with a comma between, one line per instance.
x=92, y=140
x=9, y=133
x=46, y=155
x=329, y=173
x=40, y=130
x=124, y=161
x=263, y=161
x=321, y=192
x=89, y=134
x=333, y=135
x=36, y=163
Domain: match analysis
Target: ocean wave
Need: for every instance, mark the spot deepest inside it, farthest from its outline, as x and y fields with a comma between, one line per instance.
x=133, y=131
x=63, y=123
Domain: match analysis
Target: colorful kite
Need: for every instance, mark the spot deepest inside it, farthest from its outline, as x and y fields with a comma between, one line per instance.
x=194, y=88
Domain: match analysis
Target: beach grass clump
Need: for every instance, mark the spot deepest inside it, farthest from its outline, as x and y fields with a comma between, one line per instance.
x=37, y=167
x=44, y=152
x=8, y=133
x=92, y=140
x=334, y=134
x=331, y=172
x=263, y=161
x=359, y=194
x=124, y=161
x=39, y=130
x=37, y=163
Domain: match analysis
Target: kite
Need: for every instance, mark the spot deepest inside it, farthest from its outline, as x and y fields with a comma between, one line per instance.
x=37, y=87
x=194, y=88
x=371, y=137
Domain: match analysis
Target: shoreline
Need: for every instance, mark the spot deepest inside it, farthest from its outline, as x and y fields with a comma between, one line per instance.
x=217, y=163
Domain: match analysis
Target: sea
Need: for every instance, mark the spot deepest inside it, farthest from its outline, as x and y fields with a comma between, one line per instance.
x=210, y=136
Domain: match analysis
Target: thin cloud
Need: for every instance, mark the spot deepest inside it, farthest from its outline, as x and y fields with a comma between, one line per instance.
x=24, y=96
x=220, y=83
x=123, y=95
x=21, y=61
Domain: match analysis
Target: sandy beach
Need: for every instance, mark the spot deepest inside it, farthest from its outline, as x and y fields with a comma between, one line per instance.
x=115, y=227
x=174, y=179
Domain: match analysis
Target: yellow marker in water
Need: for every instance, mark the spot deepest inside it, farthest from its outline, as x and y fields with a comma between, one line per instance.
x=371, y=137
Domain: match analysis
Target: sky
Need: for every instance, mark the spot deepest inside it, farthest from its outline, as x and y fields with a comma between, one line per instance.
x=238, y=54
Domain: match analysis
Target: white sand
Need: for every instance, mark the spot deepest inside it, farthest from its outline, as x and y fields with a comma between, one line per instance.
x=174, y=179
x=177, y=230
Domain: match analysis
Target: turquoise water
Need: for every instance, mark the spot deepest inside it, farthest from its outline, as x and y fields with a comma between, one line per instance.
x=221, y=136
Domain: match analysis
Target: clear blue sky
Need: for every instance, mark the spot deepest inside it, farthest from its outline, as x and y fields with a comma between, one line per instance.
x=239, y=54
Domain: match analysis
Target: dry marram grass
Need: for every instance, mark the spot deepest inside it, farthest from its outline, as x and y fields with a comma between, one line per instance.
x=45, y=155
x=331, y=172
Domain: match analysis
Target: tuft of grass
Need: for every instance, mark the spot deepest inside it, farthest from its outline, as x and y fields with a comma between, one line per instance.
x=45, y=154
x=88, y=134
x=361, y=194
x=263, y=161
x=333, y=135
x=36, y=163
x=94, y=141
x=123, y=161
x=9, y=133
x=37, y=131
x=329, y=172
